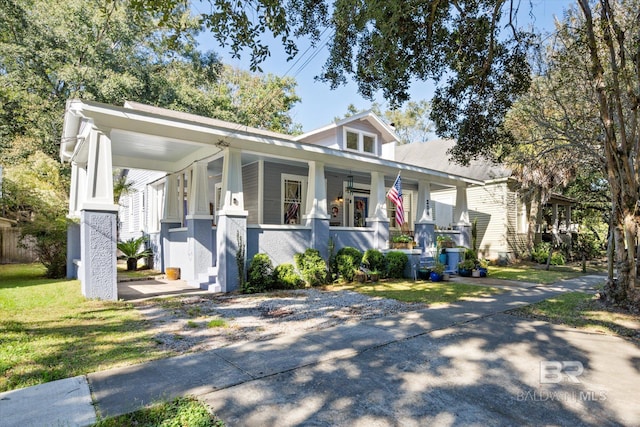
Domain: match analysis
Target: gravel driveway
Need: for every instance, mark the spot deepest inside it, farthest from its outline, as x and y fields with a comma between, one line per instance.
x=184, y=324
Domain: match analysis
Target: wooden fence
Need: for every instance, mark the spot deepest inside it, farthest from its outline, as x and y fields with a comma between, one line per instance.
x=10, y=249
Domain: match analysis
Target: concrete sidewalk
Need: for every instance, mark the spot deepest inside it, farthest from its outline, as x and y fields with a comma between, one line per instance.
x=463, y=363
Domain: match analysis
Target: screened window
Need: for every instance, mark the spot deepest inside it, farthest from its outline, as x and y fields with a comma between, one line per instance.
x=293, y=189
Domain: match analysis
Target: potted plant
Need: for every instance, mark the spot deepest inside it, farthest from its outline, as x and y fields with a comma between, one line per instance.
x=402, y=241
x=132, y=250
x=436, y=272
x=423, y=273
x=374, y=275
x=483, y=267
x=465, y=268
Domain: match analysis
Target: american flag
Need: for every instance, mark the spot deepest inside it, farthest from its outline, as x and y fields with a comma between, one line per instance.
x=291, y=212
x=395, y=195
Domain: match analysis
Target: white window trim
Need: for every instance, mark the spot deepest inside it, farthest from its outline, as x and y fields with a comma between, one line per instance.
x=361, y=135
x=303, y=182
x=409, y=209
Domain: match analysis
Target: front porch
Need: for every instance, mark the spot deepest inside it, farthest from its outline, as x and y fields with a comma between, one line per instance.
x=227, y=189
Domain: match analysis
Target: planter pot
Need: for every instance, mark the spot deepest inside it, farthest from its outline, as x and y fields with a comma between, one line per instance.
x=475, y=273
x=483, y=272
x=374, y=277
x=464, y=272
x=172, y=273
x=360, y=277
x=435, y=277
x=423, y=274
x=442, y=259
x=132, y=264
x=401, y=245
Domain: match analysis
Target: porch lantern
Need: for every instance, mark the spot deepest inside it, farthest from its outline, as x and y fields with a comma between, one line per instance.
x=350, y=184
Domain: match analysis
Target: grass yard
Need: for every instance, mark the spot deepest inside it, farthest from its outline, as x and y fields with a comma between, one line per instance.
x=184, y=411
x=49, y=331
x=584, y=311
x=536, y=273
x=420, y=292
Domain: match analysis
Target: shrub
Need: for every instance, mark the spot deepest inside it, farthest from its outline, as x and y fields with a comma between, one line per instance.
x=260, y=274
x=396, y=261
x=285, y=277
x=374, y=259
x=470, y=254
x=557, y=258
x=348, y=260
x=312, y=267
x=541, y=252
x=48, y=234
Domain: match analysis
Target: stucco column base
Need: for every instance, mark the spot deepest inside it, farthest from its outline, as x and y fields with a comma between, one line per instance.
x=73, y=247
x=380, y=232
x=165, y=226
x=425, y=236
x=199, y=244
x=231, y=230
x=98, y=274
x=465, y=233
x=319, y=234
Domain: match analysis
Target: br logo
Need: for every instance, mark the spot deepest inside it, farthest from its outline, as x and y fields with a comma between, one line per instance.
x=553, y=371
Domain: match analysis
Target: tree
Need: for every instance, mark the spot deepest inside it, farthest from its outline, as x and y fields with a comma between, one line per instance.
x=471, y=47
x=581, y=119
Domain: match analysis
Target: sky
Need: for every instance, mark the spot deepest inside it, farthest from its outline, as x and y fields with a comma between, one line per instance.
x=320, y=105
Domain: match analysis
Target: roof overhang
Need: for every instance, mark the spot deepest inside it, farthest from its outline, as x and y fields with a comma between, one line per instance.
x=146, y=137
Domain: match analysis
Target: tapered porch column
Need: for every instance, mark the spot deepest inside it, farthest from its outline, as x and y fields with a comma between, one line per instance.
x=97, y=274
x=316, y=216
x=232, y=222
x=77, y=196
x=461, y=216
x=170, y=218
x=377, y=215
x=424, y=225
x=199, y=222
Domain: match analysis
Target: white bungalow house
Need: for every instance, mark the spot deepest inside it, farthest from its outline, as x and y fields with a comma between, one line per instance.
x=207, y=187
x=503, y=215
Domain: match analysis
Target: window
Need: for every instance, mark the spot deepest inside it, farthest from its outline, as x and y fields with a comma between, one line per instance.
x=368, y=144
x=293, y=196
x=360, y=141
x=352, y=141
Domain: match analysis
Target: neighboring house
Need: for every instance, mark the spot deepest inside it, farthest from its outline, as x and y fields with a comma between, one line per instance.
x=206, y=188
x=502, y=214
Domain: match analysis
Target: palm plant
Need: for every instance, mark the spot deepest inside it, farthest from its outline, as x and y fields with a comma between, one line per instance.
x=131, y=251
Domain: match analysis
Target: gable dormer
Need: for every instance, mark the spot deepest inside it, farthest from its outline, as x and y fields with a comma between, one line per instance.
x=363, y=133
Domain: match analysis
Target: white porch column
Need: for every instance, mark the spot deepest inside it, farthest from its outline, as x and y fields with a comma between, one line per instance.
x=232, y=222
x=425, y=204
x=568, y=218
x=377, y=198
x=97, y=272
x=377, y=215
x=170, y=219
x=316, y=215
x=424, y=225
x=199, y=191
x=555, y=217
x=77, y=195
x=316, y=192
x=461, y=216
x=232, y=197
x=170, y=212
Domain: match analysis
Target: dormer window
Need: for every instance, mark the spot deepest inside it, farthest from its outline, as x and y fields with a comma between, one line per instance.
x=360, y=141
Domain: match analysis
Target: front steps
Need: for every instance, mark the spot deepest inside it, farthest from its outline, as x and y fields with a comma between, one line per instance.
x=207, y=281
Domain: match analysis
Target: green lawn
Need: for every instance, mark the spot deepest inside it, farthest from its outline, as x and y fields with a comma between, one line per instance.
x=420, y=292
x=536, y=273
x=184, y=411
x=584, y=311
x=49, y=331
